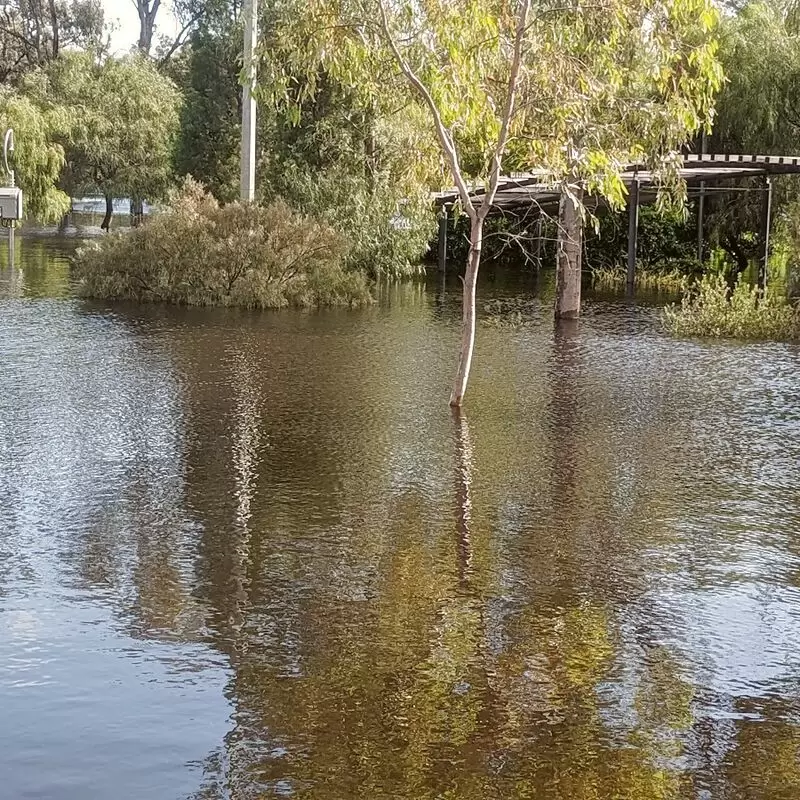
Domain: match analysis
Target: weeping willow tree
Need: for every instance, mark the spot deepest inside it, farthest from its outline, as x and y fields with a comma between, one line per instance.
x=118, y=124
x=575, y=90
x=38, y=158
x=758, y=109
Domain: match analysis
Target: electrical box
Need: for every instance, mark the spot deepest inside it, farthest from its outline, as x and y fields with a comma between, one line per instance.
x=10, y=203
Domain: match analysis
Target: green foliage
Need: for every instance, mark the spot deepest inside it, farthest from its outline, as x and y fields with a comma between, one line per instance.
x=208, y=146
x=784, y=263
x=38, y=159
x=335, y=158
x=386, y=235
x=600, y=86
x=119, y=123
x=666, y=242
x=200, y=253
x=33, y=32
x=346, y=161
x=758, y=109
x=713, y=310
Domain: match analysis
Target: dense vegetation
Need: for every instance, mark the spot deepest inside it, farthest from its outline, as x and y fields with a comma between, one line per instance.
x=197, y=252
x=713, y=309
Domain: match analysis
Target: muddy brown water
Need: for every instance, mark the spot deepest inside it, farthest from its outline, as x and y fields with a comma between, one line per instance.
x=254, y=555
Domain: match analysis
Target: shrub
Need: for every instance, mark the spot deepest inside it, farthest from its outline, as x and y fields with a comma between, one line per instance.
x=711, y=309
x=666, y=242
x=197, y=252
x=386, y=234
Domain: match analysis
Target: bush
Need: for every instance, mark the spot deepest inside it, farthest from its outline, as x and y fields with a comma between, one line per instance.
x=200, y=253
x=666, y=242
x=386, y=234
x=711, y=309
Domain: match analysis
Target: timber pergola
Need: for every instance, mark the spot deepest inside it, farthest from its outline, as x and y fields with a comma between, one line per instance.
x=531, y=194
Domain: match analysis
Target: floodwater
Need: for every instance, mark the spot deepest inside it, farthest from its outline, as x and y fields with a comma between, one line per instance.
x=255, y=556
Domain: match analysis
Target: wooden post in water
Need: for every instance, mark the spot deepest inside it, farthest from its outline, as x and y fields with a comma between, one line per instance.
x=443, y=217
x=569, y=255
x=633, y=233
x=766, y=223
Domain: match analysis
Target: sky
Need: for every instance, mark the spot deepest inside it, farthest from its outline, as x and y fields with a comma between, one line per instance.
x=122, y=14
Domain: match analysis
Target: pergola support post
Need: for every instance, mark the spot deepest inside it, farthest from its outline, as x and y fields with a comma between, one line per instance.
x=633, y=233
x=569, y=254
x=701, y=203
x=766, y=224
x=443, y=218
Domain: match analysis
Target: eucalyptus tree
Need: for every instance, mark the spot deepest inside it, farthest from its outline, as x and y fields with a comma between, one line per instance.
x=207, y=74
x=576, y=90
x=34, y=32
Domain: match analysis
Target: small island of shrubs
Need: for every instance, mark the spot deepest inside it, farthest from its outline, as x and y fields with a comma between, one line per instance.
x=198, y=252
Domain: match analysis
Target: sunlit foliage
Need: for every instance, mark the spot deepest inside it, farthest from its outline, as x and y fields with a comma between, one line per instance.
x=119, y=123
x=713, y=310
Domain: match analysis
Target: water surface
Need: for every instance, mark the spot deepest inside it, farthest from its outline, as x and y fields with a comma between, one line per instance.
x=254, y=555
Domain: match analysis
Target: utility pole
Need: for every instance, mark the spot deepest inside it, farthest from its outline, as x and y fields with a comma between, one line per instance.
x=249, y=102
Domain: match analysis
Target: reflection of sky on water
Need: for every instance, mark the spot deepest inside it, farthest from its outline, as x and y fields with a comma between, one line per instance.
x=63, y=658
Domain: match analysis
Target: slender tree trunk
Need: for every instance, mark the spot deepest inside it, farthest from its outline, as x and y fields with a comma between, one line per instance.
x=147, y=23
x=569, y=257
x=106, y=224
x=468, y=312
x=54, y=25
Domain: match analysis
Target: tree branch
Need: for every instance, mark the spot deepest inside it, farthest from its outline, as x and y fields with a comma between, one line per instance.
x=445, y=139
x=179, y=39
x=508, y=111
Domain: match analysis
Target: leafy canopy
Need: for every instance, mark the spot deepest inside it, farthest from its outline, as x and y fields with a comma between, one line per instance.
x=37, y=159
x=600, y=85
x=759, y=107
x=119, y=122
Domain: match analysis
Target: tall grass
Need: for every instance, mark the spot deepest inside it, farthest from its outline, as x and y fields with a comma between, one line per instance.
x=712, y=309
x=197, y=252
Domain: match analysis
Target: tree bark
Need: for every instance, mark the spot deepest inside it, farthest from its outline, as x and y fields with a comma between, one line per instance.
x=468, y=312
x=106, y=224
x=464, y=461
x=147, y=23
x=569, y=256
x=54, y=25
x=450, y=152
